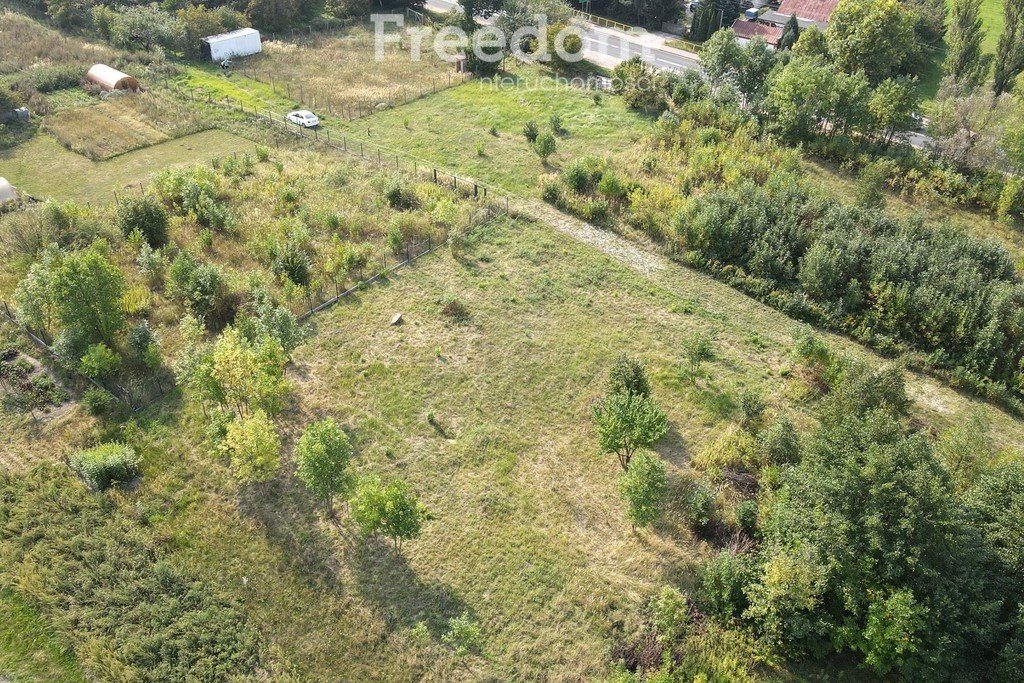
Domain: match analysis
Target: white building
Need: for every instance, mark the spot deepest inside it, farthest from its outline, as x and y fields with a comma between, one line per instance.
x=244, y=41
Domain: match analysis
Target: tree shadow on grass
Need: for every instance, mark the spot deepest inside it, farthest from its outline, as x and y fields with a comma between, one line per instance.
x=672, y=447
x=287, y=513
x=385, y=579
x=718, y=403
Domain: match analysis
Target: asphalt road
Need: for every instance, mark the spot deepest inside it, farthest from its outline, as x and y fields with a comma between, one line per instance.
x=607, y=47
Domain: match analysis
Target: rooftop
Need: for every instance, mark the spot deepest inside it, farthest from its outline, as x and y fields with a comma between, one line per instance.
x=812, y=10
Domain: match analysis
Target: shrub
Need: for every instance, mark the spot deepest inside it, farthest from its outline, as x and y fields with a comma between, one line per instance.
x=530, y=131
x=721, y=582
x=746, y=516
x=97, y=402
x=628, y=376
x=107, y=464
x=147, y=216
x=545, y=146
x=322, y=455
x=779, y=444
x=463, y=634
x=454, y=310
x=99, y=362
x=200, y=286
x=398, y=196
x=752, y=406
x=670, y=615
x=642, y=486
x=734, y=449
x=254, y=448
x=556, y=124
x=699, y=505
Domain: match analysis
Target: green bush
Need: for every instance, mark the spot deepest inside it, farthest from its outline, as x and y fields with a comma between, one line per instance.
x=105, y=465
x=746, y=516
x=530, y=131
x=146, y=215
x=699, y=505
x=99, y=361
x=721, y=583
x=97, y=402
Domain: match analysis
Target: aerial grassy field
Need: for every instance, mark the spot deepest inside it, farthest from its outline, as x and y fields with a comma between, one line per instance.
x=992, y=20
x=529, y=536
x=476, y=129
x=46, y=170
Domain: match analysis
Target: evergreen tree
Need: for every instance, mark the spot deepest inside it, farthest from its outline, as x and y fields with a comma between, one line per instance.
x=965, y=62
x=1011, y=47
x=790, y=33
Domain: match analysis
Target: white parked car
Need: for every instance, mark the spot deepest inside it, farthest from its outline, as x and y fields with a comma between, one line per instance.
x=306, y=119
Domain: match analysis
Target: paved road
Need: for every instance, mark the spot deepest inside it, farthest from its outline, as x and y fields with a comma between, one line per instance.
x=609, y=47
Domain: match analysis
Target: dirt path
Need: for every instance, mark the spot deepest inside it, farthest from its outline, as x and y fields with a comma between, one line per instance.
x=619, y=248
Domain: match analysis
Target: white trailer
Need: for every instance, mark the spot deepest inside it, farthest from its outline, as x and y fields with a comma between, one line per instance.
x=244, y=41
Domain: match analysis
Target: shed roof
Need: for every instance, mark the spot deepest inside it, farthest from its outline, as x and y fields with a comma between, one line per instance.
x=231, y=34
x=749, y=29
x=812, y=10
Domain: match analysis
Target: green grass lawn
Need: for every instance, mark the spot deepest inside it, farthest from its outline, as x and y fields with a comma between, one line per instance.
x=29, y=650
x=46, y=170
x=992, y=21
x=452, y=129
x=529, y=535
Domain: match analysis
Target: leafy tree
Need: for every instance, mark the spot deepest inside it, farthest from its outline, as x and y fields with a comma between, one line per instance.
x=254, y=448
x=35, y=296
x=891, y=104
x=248, y=374
x=965, y=62
x=273, y=15
x=144, y=26
x=811, y=43
x=571, y=44
x=322, y=455
x=640, y=86
x=627, y=423
x=199, y=21
x=200, y=286
x=1010, y=62
x=697, y=349
x=391, y=510
x=544, y=145
x=145, y=214
x=873, y=36
x=790, y=33
x=87, y=294
x=722, y=57
x=643, y=486
x=871, y=512
x=628, y=376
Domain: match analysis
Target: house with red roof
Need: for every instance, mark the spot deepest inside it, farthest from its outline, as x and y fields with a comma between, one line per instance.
x=770, y=24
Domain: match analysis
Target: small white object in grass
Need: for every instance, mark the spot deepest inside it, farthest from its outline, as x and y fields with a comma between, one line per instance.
x=397, y=320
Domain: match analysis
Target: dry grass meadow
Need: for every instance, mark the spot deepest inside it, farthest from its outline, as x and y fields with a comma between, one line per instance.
x=124, y=123
x=26, y=43
x=337, y=71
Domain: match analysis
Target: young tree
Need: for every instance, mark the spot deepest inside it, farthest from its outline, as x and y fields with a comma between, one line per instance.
x=392, y=510
x=643, y=486
x=722, y=57
x=628, y=376
x=964, y=61
x=873, y=36
x=248, y=374
x=87, y=291
x=697, y=348
x=254, y=447
x=891, y=104
x=627, y=423
x=322, y=455
x=35, y=296
x=790, y=33
x=1011, y=47
x=544, y=145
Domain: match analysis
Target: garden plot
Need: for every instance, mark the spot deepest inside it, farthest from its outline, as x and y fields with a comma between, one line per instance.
x=122, y=124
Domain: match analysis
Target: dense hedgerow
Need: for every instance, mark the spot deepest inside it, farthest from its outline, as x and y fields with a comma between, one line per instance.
x=736, y=206
x=108, y=589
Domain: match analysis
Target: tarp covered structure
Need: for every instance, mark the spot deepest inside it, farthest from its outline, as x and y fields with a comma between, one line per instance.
x=109, y=78
x=7, y=192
